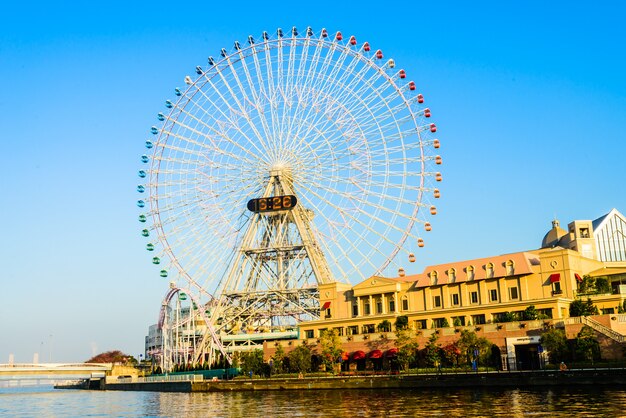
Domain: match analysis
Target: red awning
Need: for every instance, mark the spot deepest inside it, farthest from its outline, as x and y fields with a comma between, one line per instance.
x=358, y=355
x=326, y=305
x=578, y=278
x=345, y=356
x=555, y=277
x=392, y=352
x=375, y=354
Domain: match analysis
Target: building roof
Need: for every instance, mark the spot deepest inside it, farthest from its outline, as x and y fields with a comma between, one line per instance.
x=440, y=274
x=601, y=220
x=552, y=238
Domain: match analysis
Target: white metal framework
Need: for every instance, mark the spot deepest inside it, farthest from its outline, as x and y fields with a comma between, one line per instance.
x=316, y=116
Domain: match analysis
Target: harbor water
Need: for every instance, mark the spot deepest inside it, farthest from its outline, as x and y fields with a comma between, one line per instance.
x=44, y=401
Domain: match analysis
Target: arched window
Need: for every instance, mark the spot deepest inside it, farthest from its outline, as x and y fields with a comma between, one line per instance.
x=510, y=268
x=489, y=270
x=433, y=277
x=452, y=275
x=470, y=272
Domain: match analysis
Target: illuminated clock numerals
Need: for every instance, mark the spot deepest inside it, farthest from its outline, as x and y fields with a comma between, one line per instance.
x=274, y=203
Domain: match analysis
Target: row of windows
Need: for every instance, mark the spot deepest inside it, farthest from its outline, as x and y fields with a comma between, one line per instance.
x=469, y=270
x=367, y=310
x=474, y=297
x=479, y=319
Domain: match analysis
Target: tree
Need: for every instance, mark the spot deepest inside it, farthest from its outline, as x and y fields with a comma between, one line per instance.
x=385, y=326
x=113, y=356
x=432, y=351
x=587, y=285
x=506, y=317
x=580, y=308
x=402, y=322
x=451, y=353
x=300, y=359
x=530, y=313
x=602, y=285
x=331, y=348
x=468, y=343
x=586, y=344
x=278, y=360
x=554, y=342
x=252, y=362
x=407, y=347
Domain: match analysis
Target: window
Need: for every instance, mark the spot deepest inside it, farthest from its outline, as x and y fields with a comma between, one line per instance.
x=458, y=321
x=379, y=306
x=455, y=299
x=452, y=275
x=309, y=333
x=489, y=270
x=510, y=268
x=470, y=273
x=328, y=315
x=368, y=329
x=545, y=313
x=355, y=310
x=556, y=288
x=437, y=301
x=606, y=311
x=478, y=319
x=367, y=308
x=353, y=330
x=322, y=331
x=339, y=331
x=493, y=295
x=405, y=304
x=420, y=324
x=474, y=297
x=440, y=323
x=584, y=232
x=392, y=306
x=513, y=293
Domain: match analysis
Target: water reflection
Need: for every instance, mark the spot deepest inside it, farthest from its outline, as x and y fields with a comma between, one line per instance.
x=400, y=403
x=539, y=402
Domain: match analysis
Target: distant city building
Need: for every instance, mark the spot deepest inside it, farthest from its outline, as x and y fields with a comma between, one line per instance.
x=154, y=342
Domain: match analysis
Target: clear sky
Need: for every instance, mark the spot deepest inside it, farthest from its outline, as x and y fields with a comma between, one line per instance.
x=529, y=99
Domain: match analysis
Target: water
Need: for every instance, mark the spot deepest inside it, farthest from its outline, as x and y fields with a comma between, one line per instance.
x=43, y=401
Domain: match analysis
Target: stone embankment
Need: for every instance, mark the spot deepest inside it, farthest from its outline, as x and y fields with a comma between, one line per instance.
x=615, y=377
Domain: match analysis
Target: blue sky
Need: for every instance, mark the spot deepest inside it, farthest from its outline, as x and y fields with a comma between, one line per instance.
x=529, y=99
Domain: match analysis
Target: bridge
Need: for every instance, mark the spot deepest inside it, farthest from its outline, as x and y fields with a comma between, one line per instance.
x=53, y=371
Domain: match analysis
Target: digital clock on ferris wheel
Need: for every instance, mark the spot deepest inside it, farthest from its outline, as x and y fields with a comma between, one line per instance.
x=273, y=203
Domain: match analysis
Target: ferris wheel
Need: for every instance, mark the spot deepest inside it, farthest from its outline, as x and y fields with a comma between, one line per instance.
x=311, y=145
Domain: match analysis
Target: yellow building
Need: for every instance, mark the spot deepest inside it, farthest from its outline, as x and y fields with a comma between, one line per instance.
x=482, y=293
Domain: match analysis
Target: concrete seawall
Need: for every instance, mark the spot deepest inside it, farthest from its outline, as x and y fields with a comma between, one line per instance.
x=613, y=377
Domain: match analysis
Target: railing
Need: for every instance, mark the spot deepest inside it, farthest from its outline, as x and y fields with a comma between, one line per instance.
x=614, y=335
x=165, y=378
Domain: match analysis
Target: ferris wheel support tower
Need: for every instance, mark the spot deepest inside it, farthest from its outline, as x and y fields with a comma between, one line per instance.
x=272, y=280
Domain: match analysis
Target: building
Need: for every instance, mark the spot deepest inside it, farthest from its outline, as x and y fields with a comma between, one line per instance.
x=488, y=295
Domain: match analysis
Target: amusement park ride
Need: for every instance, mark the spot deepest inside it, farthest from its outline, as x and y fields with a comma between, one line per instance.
x=290, y=161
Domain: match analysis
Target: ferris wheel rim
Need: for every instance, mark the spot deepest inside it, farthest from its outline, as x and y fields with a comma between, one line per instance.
x=226, y=61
